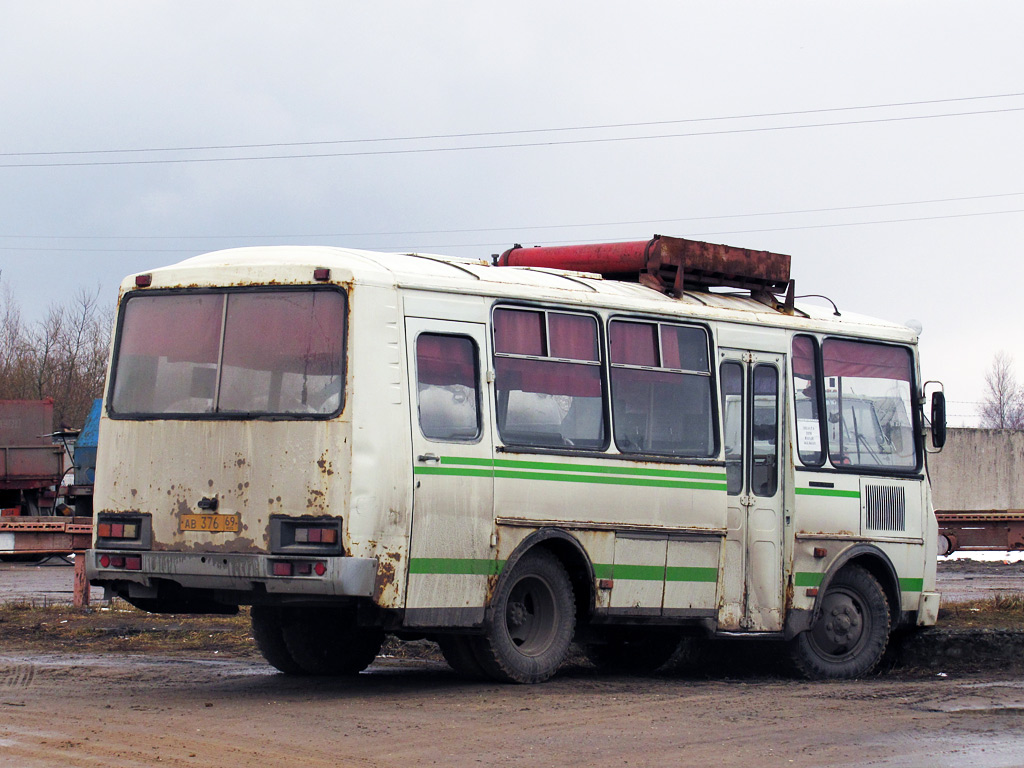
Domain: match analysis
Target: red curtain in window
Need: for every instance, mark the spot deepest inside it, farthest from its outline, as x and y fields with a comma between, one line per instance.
x=296, y=331
x=519, y=332
x=803, y=357
x=873, y=361
x=572, y=337
x=550, y=378
x=445, y=360
x=633, y=343
x=180, y=328
x=685, y=348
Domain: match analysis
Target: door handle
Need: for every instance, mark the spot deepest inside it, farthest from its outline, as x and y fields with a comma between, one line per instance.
x=429, y=458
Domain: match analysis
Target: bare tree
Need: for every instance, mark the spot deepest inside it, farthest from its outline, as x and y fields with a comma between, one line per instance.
x=63, y=356
x=1003, y=405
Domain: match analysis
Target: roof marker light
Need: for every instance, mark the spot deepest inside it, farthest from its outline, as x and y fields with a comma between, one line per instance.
x=143, y=281
x=321, y=274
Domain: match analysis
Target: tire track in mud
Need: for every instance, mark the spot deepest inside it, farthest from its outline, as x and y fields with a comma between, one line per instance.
x=16, y=676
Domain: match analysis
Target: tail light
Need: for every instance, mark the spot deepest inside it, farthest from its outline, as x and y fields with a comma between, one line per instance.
x=116, y=530
x=298, y=567
x=122, y=562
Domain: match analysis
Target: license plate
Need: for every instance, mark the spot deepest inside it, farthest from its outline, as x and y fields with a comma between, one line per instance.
x=210, y=523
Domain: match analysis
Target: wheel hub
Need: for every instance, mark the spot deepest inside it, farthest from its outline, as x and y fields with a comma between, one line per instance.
x=843, y=623
x=517, y=615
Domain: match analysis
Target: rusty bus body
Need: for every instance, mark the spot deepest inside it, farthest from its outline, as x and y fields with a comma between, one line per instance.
x=507, y=458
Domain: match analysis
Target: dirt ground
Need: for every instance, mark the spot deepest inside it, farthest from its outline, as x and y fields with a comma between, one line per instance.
x=119, y=688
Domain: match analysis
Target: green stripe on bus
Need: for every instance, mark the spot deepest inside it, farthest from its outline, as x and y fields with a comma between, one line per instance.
x=456, y=566
x=911, y=585
x=604, y=571
x=477, y=567
x=563, y=478
x=588, y=468
x=691, y=573
x=605, y=480
x=807, y=579
x=656, y=573
x=638, y=572
x=460, y=471
x=827, y=492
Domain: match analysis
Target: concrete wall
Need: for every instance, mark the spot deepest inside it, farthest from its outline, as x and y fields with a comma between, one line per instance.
x=979, y=469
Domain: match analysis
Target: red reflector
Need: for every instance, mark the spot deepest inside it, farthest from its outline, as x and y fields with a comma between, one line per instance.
x=133, y=563
x=820, y=552
x=104, y=561
x=812, y=592
x=320, y=569
x=321, y=274
x=103, y=530
x=282, y=569
x=143, y=281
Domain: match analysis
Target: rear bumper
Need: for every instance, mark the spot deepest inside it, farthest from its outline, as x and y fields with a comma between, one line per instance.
x=343, y=577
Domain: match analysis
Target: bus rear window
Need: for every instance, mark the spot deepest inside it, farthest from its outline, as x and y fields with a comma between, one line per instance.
x=275, y=352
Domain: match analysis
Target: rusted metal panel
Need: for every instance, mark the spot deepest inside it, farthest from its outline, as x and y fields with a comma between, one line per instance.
x=45, y=535
x=668, y=264
x=28, y=458
x=981, y=530
x=26, y=422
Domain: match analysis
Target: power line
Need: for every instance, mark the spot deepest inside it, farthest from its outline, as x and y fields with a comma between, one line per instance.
x=424, y=248
x=520, y=145
x=635, y=222
x=519, y=132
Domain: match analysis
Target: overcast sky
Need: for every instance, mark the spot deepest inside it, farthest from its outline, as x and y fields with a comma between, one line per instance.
x=926, y=202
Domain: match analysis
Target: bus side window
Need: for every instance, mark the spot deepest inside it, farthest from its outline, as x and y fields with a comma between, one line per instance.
x=548, y=385
x=764, y=473
x=446, y=386
x=732, y=425
x=807, y=395
x=661, y=389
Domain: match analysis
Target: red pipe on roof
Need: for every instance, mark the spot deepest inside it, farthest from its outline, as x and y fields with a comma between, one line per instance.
x=602, y=258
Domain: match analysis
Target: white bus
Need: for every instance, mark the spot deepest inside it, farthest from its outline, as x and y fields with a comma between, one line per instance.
x=505, y=459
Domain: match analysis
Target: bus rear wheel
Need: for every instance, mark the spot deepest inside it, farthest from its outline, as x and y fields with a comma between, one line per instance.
x=327, y=641
x=267, y=629
x=851, y=632
x=642, y=651
x=459, y=653
x=531, y=622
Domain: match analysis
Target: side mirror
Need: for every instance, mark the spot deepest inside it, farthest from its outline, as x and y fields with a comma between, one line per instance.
x=938, y=418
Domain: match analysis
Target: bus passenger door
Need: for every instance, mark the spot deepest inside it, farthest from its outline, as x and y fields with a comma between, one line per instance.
x=752, y=421
x=453, y=485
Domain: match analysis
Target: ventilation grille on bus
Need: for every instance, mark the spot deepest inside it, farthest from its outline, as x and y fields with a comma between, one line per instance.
x=885, y=507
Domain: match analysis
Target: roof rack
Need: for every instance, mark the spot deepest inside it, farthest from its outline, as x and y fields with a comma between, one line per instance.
x=670, y=265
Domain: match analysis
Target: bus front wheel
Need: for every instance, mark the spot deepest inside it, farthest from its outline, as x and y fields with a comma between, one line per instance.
x=849, y=636
x=531, y=622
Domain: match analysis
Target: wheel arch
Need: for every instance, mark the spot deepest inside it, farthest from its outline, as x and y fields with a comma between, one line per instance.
x=877, y=563
x=573, y=558
x=871, y=559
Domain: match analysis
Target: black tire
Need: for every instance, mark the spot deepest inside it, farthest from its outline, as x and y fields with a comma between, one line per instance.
x=641, y=652
x=849, y=637
x=267, y=625
x=458, y=652
x=326, y=641
x=530, y=623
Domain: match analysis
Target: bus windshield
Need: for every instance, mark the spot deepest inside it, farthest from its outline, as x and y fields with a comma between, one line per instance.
x=230, y=354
